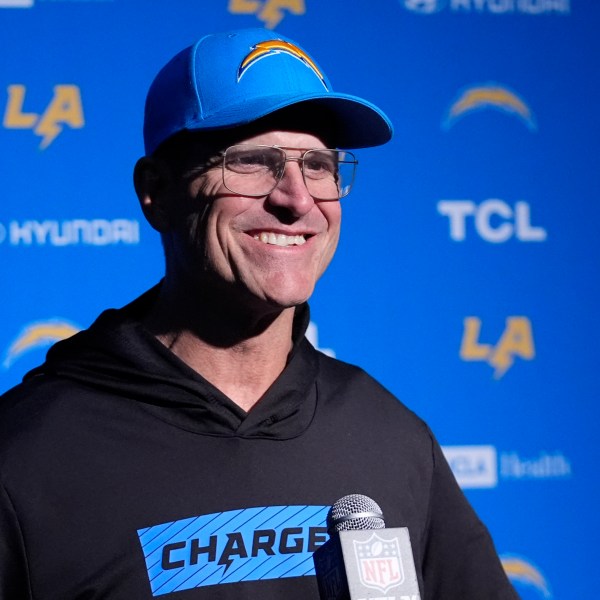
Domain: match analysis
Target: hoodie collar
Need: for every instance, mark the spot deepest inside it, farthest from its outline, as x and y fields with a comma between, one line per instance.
x=118, y=356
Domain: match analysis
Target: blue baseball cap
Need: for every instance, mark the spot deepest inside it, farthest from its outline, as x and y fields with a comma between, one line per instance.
x=226, y=80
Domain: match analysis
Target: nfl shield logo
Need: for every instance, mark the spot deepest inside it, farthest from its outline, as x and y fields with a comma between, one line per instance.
x=379, y=563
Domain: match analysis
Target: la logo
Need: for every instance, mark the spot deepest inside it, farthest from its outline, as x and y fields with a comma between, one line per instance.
x=517, y=340
x=270, y=12
x=65, y=108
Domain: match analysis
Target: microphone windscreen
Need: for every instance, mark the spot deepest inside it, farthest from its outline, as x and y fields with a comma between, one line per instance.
x=353, y=512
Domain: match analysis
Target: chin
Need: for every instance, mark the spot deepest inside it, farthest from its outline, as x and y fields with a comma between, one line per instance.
x=287, y=301
x=289, y=298
x=285, y=291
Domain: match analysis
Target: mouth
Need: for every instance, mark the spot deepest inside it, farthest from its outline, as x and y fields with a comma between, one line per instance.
x=280, y=239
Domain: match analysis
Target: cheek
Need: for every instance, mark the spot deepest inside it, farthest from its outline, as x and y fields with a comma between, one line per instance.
x=219, y=229
x=208, y=212
x=333, y=214
x=332, y=211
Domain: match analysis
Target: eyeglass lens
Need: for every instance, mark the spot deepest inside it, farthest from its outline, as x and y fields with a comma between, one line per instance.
x=256, y=171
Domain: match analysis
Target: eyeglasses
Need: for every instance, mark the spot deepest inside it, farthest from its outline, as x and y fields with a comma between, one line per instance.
x=255, y=171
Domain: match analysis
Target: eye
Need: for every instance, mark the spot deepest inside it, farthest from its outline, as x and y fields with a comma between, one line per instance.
x=320, y=165
x=245, y=161
x=252, y=160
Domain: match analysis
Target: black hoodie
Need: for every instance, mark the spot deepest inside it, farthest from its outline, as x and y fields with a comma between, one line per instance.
x=125, y=475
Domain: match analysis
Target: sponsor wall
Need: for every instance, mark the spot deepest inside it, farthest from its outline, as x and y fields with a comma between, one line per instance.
x=467, y=279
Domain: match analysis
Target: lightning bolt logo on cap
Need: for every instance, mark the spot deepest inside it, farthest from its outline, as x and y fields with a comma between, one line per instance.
x=273, y=47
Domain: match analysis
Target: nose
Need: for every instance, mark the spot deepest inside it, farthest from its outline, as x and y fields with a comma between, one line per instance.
x=291, y=192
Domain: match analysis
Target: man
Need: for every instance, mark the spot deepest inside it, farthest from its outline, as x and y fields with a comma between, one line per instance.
x=188, y=445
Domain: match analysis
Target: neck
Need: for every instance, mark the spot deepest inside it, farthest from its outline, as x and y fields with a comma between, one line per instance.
x=240, y=352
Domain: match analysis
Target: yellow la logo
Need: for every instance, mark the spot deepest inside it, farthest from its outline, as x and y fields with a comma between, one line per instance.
x=270, y=12
x=65, y=108
x=517, y=340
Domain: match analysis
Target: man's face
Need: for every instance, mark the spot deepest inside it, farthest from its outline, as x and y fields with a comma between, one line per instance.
x=270, y=249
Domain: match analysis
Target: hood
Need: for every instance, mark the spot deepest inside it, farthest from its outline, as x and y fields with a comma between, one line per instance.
x=119, y=357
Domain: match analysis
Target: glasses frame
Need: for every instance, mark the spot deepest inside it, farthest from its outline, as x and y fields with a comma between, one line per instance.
x=343, y=192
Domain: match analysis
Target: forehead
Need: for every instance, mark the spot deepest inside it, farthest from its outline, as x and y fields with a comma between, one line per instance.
x=296, y=120
x=284, y=139
x=196, y=149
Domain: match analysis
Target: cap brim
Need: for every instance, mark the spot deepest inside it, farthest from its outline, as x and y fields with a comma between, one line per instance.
x=357, y=123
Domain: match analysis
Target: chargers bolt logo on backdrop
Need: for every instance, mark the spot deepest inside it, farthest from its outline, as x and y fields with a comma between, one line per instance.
x=65, y=108
x=491, y=96
x=526, y=577
x=272, y=47
x=516, y=340
x=270, y=12
x=41, y=334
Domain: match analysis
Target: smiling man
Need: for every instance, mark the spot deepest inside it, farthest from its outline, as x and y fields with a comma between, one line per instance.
x=247, y=230
x=189, y=445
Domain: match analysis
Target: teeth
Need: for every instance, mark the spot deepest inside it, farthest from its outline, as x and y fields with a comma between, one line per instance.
x=280, y=239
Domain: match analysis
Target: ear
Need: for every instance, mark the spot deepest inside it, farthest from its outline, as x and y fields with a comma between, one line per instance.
x=153, y=186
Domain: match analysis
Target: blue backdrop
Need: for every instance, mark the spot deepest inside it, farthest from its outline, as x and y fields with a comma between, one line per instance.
x=467, y=279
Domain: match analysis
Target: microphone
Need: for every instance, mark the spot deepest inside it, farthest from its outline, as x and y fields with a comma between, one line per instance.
x=362, y=559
